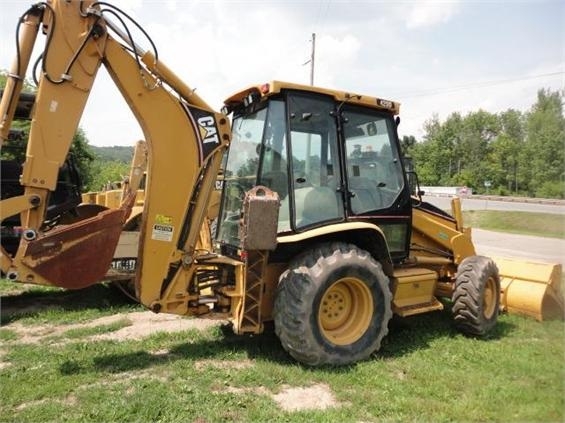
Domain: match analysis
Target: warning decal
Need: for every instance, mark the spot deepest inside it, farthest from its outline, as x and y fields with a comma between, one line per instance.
x=162, y=232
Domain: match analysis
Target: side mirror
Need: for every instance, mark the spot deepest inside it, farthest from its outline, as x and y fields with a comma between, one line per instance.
x=412, y=177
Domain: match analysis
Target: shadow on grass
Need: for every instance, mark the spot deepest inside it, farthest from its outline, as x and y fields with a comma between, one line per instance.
x=265, y=347
x=406, y=335
x=35, y=301
x=413, y=333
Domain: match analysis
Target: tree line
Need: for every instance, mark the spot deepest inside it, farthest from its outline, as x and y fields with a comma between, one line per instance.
x=506, y=153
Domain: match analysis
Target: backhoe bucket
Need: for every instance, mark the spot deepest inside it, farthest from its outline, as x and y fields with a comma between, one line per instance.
x=77, y=255
x=531, y=288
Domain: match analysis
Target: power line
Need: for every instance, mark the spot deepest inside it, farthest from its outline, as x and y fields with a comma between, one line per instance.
x=445, y=90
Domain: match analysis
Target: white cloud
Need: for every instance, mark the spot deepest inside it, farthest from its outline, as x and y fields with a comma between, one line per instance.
x=427, y=13
x=371, y=47
x=335, y=56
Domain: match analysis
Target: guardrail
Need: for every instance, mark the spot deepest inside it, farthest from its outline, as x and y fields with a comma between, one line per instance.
x=551, y=201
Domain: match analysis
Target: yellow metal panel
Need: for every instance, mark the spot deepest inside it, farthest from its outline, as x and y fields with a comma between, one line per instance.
x=101, y=198
x=113, y=198
x=530, y=299
x=173, y=155
x=530, y=270
x=89, y=198
x=127, y=245
x=435, y=232
x=413, y=286
x=531, y=288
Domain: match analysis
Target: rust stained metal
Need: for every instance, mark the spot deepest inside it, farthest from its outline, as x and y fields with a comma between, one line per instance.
x=258, y=228
x=77, y=255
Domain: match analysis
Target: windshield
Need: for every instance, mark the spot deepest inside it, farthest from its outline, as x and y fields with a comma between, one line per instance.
x=240, y=174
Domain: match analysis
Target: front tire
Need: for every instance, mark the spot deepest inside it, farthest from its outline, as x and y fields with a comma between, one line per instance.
x=332, y=306
x=476, y=298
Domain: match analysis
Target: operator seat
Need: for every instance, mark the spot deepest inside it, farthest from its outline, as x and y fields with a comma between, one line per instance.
x=318, y=204
x=366, y=195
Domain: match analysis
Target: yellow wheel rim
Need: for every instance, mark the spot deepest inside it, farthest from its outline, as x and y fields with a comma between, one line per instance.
x=345, y=311
x=489, y=298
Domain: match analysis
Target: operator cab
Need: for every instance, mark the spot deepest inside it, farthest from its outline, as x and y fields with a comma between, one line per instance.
x=332, y=158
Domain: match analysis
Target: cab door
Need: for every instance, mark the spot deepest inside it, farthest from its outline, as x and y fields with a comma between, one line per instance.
x=314, y=162
x=375, y=183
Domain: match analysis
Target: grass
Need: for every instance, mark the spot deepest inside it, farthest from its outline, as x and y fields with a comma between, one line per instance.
x=33, y=304
x=425, y=370
x=96, y=330
x=537, y=224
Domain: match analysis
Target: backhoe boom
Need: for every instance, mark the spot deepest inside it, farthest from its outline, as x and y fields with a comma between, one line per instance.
x=179, y=128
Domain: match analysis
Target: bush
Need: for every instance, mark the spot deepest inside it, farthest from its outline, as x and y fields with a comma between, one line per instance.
x=551, y=189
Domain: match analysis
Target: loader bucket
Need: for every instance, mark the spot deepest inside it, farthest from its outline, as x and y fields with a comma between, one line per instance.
x=531, y=288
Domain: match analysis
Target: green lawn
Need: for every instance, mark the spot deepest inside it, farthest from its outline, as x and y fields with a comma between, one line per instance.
x=537, y=224
x=56, y=366
x=425, y=371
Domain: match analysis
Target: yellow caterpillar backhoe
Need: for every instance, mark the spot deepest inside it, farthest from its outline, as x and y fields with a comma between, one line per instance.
x=317, y=229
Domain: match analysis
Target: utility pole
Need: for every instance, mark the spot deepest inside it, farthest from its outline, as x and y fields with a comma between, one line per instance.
x=309, y=137
x=312, y=58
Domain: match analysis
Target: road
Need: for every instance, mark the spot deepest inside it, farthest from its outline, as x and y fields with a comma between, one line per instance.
x=444, y=203
x=498, y=244
x=490, y=243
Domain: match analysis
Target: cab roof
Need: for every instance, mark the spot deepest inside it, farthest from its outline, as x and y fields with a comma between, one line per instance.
x=275, y=87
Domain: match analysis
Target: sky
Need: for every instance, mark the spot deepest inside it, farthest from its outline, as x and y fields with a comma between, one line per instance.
x=434, y=57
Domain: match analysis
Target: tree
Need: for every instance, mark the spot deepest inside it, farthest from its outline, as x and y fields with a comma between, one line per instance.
x=84, y=157
x=407, y=143
x=453, y=152
x=544, y=152
x=429, y=156
x=478, y=130
x=14, y=149
x=106, y=172
x=506, y=148
x=514, y=152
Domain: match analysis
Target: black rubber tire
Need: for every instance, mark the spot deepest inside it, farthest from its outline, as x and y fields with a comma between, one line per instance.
x=476, y=298
x=297, y=309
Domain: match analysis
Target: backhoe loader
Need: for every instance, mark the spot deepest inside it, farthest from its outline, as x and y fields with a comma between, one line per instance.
x=317, y=228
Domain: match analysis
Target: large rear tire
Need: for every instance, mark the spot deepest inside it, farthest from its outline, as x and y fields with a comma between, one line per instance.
x=476, y=298
x=332, y=306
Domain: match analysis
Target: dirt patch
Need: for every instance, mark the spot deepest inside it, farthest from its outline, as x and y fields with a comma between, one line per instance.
x=314, y=397
x=69, y=400
x=143, y=324
x=223, y=364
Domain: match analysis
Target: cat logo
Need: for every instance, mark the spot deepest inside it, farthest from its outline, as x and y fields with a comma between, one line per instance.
x=208, y=130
